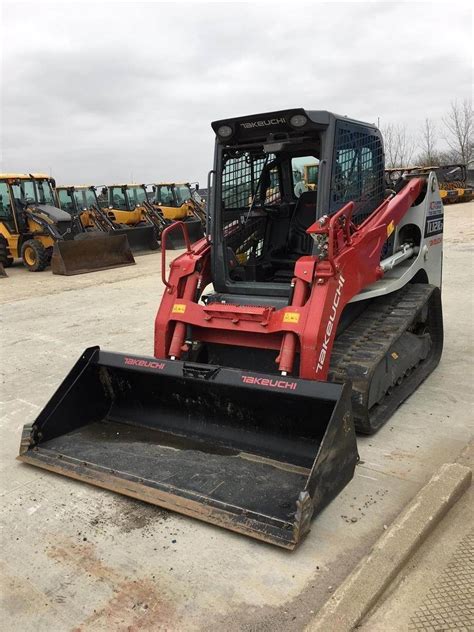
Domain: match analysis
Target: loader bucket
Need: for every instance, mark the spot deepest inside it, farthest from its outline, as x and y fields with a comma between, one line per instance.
x=141, y=239
x=253, y=453
x=97, y=251
x=175, y=239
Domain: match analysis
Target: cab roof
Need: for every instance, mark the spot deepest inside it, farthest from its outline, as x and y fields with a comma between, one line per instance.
x=267, y=124
x=171, y=184
x=24, y=176
x=125, y=184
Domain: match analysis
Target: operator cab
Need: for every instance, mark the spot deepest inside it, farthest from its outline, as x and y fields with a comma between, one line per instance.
x=275, y=175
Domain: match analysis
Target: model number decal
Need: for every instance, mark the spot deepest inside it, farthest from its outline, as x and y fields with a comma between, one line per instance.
x=434, y=225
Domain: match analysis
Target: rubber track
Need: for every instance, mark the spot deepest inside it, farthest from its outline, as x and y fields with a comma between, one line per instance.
x=365, y=343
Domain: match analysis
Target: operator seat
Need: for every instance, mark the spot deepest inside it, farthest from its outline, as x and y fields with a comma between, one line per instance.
x=299, y=242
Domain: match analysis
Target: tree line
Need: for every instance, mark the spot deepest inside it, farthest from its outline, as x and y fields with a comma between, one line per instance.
x=456, y=129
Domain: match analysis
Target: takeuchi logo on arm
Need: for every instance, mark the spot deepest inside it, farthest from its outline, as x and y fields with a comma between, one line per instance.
x=330, y=324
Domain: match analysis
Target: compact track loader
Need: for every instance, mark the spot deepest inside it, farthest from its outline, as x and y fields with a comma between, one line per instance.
x=295, y=321
x=33, y=228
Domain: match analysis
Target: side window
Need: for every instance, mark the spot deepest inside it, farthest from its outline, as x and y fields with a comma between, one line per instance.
x=141, y=195
x=305, y=174
x=358, y=170
x=5, y=208
x=45, y=194
x=65, y=201
x=90, y=198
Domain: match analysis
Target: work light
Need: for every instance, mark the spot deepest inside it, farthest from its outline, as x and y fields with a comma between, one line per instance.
x=298, y=120
x=225, y=131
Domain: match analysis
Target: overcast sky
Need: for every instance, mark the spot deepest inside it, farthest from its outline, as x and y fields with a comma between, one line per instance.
x=105, y=93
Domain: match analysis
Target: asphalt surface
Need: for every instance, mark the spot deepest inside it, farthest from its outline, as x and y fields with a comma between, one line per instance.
x=74, y=557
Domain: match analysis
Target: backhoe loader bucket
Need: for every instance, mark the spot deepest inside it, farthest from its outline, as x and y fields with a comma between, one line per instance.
x=94, y=252
x=195, y=229
x=175, y=239
x=141, y=239
x=254, y=453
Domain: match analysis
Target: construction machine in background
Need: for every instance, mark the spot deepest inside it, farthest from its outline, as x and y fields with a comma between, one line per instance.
x=178, y=202
x=81, y=202
x=310, y=176
x=34, y=229
x=294, y=322
x=127, y=209
x=452, y=180
x=453, y=185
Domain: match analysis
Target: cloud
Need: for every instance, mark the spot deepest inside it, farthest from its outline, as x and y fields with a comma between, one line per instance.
x=105, y=92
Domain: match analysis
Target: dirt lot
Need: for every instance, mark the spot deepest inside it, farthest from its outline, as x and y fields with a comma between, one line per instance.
x=78, y=558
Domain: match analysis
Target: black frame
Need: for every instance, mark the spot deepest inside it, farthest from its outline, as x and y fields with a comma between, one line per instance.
x=265, y=129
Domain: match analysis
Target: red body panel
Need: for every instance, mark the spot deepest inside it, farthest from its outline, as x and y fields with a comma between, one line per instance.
x=322, y=289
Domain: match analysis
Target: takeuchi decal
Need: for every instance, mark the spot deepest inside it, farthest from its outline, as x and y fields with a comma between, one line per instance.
x=330, y=324
x=263, y=123
x=265, y=381
x=145, y=364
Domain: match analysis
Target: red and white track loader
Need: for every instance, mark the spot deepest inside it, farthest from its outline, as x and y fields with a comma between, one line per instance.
x=301, y=317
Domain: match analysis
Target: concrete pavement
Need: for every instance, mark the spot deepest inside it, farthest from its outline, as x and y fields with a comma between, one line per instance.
x=75, y=557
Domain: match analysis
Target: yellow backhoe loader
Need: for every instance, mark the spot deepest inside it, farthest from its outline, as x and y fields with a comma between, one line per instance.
x=126, y=205
x=34, y=229
x=177, y=203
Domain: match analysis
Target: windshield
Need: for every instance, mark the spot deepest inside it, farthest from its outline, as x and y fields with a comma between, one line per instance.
x=183, y=193
x=136, y=196
x=249, y=179
x=164, y=195
x=85, y=198
x=117, y=199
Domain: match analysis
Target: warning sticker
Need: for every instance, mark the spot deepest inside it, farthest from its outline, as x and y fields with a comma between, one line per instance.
x=291, y=317
x=178, y=308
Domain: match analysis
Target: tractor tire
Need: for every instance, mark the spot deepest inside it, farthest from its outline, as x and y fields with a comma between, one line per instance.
x=5, y=259
x=34, y=255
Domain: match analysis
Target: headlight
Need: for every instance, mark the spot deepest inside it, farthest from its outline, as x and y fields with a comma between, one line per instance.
x=298, y=120
x=225, y=131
